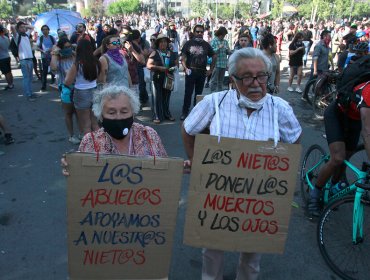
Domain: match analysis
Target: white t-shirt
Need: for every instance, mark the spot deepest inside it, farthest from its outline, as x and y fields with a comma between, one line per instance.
x=25, y=48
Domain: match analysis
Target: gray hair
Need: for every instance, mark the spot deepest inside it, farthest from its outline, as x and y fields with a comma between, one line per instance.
x=113, y=91
x=249, y=53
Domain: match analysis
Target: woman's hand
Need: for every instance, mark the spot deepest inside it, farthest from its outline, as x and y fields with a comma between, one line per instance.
x=187, y=167
x=64, y=165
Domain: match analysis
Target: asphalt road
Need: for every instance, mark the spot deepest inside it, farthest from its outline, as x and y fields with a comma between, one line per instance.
x=33, y=195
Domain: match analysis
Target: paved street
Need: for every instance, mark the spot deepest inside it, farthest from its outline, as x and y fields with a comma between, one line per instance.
x=33, y=195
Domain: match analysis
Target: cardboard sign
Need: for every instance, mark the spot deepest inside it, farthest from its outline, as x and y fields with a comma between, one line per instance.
x=240, y=194
x=121, y=215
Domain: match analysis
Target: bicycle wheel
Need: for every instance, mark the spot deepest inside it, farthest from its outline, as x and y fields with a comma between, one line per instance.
x=309, y=91
x=314, y=154
x=320, y=102
x=356, y=159
x=334, y=235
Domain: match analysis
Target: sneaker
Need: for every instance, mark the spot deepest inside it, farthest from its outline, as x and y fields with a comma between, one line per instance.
x=74, y=140
x=290, y=89
x=43, y=89
x=298, y=89
x=9, y=87
x=8, y=139
x=314, y=204
x=35, y=95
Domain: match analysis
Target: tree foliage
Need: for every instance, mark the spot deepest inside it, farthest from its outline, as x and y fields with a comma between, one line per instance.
x=124, y=7
x=198, y=8
x=326, y=9
x=40, y=6
x=5, y=9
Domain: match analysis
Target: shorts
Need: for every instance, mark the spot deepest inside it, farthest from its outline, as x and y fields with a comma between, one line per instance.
x=5, y=65
x=340, y=128
x=83, y=98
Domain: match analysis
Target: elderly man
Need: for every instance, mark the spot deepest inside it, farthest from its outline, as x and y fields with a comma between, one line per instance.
x=246, y=112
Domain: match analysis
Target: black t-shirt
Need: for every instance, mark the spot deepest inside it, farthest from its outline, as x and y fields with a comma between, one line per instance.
x=197, y=53
x=297, y=58
x=307, y=35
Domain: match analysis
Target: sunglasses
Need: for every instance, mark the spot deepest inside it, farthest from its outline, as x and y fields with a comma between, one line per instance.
x=152, y=40
x=199, y=31
x=44, y=29
x=115, y=43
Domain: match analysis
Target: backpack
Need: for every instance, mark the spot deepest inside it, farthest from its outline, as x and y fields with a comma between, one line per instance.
x=354, y=74
x=42, y=40
x=14, y=47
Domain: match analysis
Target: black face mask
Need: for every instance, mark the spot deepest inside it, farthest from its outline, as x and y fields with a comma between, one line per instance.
x=118, y=129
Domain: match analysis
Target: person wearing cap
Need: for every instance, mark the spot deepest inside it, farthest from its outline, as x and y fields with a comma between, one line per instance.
x=351, y=38
x=162, y=63
x=134, y=56
x=221, y=48
x=5, y=66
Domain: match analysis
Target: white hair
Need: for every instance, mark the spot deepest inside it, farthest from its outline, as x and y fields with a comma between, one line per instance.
x=248, y=53
x=113, y=91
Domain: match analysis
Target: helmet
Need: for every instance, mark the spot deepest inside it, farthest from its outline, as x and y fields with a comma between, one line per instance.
x=361, y=47
x=360, y=33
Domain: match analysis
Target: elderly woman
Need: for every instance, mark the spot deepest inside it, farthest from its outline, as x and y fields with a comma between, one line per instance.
x=114, y=67
x=162, y=62
x=115, y=108
x=61, y=61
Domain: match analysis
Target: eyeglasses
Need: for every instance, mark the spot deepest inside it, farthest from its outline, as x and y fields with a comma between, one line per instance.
x=115, y=43
x=199, y=31
x=248, y=80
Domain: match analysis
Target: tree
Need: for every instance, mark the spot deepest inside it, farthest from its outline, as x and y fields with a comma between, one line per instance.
x=40, y=6
x=5, y=9
x=124, y=7
x=198, y=8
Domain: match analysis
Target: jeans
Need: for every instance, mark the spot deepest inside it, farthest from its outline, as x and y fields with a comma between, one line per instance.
x=45, y=68
x=307, y=47
x=194, y=80
x=217, y=80
x=27, y=72
x=142, y=85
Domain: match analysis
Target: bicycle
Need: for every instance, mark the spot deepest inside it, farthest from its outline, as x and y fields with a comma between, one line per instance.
x=309, y=91
x=344, y=225
x=325, y=91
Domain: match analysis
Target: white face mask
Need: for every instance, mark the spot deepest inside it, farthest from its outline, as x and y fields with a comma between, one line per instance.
x=245, y=102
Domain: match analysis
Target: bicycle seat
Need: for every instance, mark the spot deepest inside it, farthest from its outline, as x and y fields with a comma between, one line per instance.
x=365, y=187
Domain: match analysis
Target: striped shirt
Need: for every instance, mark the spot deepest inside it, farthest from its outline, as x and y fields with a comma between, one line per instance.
x=235, y=123
x=221, y=53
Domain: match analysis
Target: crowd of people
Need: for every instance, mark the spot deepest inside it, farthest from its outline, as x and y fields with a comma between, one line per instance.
x=105, y=68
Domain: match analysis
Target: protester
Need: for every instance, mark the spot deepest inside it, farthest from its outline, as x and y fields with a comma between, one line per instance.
x=80, y=34
x=320, y=56
x=254, y=33
x=5, y=67
x=268, y=44
x=115, y=108
x=244, y=41
x=221, y=48
x=83, y=74
x=163, y=63
x=21, y=34
x=194, y=56
x=248, y=102
x=61, y=61
x=114, y=68
x=133, y=55
x=296, y=53
x=45, y=44
x=307, y=42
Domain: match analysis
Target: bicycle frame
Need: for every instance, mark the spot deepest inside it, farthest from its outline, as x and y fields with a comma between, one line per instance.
x=358, y=208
